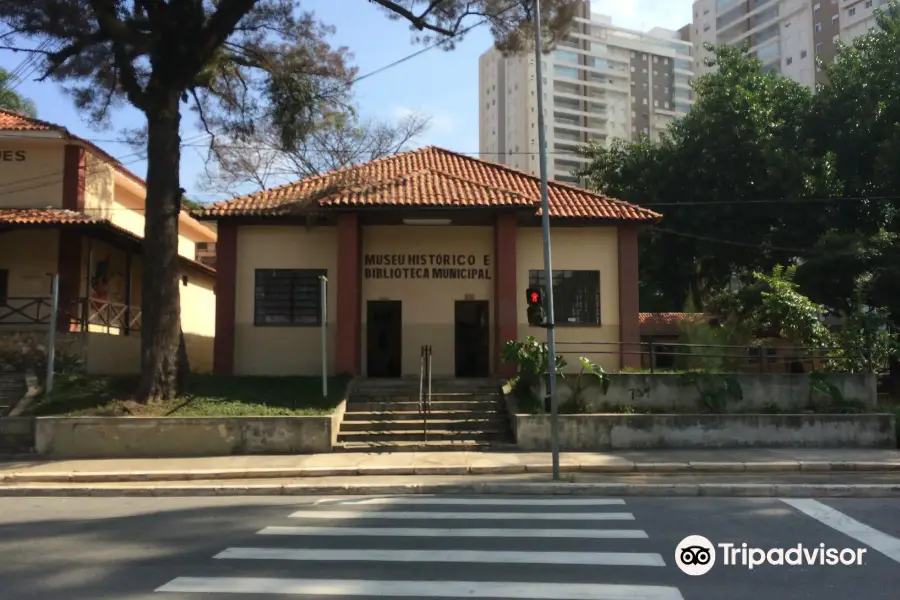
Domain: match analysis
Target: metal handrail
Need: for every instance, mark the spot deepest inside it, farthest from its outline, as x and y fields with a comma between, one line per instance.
x=425, y=386
x=428, y=397
x=421, y=379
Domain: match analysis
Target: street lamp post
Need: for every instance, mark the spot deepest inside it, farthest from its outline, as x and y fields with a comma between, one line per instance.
x=545, y=227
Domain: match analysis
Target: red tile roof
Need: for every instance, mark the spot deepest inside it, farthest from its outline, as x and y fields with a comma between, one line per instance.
x=668, y=323
x=11, y=121
x=12, y=218
x=428, y=177
x=42, y=216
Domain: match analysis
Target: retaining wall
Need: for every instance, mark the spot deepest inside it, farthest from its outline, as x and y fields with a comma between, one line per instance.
x=665, y=391
x=583, y=433
x=171, y=437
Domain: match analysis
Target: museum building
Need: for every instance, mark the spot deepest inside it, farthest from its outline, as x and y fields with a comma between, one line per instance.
x=427, y=247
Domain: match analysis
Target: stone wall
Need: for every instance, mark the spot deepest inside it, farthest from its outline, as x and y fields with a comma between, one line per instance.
x=22, y=351
x=666, y=392
x=586, y=433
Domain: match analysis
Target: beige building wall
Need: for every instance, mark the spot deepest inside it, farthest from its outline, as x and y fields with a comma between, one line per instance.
x=282, y=350
x=125, y=208
x=118, y=208
x=29, y=257
x=576, y=248
x=100, y=189
x=198, y=319
x=428, y=304
x=428, y=310
x=31, y=174
x=187, y=246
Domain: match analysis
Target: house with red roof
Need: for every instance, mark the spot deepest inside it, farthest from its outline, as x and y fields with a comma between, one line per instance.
x=69, y=208
x=423, y=248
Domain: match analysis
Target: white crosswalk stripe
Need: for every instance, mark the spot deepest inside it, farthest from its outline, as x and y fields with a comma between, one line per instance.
x=526, y=561
x=438, y=501
x=619, y=559
x=421, y=589
x=465, y=516
x=566, y=534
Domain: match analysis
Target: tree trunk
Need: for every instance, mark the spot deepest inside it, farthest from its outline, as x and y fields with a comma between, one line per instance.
x=161, y=298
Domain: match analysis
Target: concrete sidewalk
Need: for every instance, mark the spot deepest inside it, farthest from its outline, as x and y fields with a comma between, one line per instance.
x=657, y=462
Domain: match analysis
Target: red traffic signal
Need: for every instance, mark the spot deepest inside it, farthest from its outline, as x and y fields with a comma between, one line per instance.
x=534, y=297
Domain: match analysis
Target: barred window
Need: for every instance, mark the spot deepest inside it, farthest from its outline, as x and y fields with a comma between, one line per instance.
x=288, y=297
x=576, y=296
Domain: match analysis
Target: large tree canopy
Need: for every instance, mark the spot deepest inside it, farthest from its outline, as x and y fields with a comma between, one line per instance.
x=763, y=171
x=10, y=99
x=241, y=64
x=713, y=174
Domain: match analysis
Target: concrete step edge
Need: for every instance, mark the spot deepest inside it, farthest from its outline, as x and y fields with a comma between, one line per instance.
x=435, y=405
x=431, y=420
x=431, y=430
x=542, y=488
x=650, y=468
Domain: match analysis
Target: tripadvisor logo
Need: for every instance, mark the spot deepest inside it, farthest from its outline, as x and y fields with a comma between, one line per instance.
x=696, y=555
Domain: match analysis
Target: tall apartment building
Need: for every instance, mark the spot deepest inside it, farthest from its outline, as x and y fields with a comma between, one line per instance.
x=602, y=82
x=786, y=35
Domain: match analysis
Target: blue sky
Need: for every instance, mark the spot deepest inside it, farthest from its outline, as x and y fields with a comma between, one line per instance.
x=442, y=85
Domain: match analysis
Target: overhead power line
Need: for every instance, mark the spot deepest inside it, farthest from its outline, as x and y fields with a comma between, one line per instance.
x=25, y=68
x=703, y=238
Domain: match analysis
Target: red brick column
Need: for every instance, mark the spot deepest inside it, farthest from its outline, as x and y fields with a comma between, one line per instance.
x=226, y=278
x=629, y=319
x=74, y=167
x=68, y=264
x=349, y=293
x=69, y=254
x=506, y=292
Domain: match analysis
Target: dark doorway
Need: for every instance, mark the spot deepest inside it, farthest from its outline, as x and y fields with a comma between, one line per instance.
x=473, y=339
x=384, y=335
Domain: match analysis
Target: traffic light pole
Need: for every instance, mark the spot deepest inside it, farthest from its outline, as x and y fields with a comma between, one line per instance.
x=545, y=226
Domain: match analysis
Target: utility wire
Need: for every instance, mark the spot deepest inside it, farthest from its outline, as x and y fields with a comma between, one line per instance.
x=702, y=238
x=18, y=75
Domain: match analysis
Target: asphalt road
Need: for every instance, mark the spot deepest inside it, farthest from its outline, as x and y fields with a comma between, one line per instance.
x=410, y=547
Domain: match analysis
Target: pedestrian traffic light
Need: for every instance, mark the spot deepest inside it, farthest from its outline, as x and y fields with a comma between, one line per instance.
x=536, y=314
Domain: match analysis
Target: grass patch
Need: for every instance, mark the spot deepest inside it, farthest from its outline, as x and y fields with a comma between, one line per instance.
x=205, y=396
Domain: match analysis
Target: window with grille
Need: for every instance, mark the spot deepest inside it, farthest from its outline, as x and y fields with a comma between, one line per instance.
x=576, y=295
x=288, y=297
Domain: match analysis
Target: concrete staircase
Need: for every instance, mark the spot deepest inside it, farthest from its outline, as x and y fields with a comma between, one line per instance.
x=12, y=389
x=466, y=414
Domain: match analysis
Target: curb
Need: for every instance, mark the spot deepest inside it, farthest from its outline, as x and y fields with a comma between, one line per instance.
x=706, y=468
x=720, y=490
